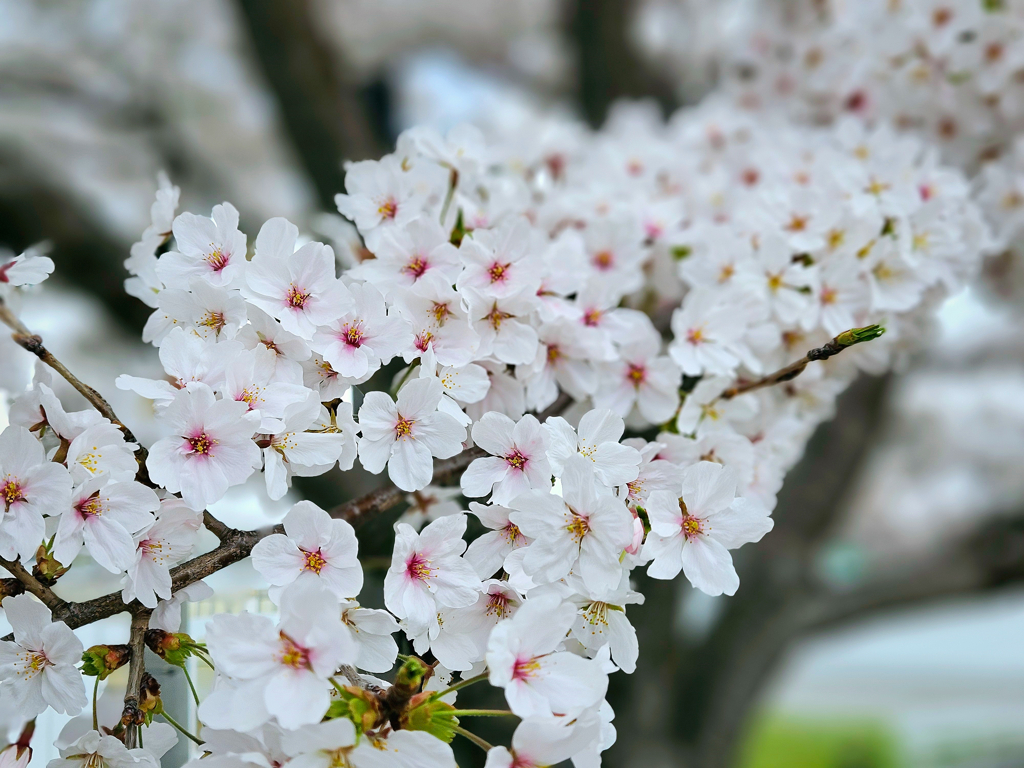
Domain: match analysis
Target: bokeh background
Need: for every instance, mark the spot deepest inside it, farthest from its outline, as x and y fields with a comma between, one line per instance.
x=880, y=625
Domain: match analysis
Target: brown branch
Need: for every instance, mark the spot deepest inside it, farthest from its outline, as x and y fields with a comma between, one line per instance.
x=216, y=527
x=131, y=717
x=791, y=371
x=33, y=585
x=34, y=344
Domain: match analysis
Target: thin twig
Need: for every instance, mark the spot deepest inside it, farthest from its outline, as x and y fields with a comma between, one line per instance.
x=474, y=738
x=791, y=371
x=33, y=585
x=131, y=717
x=34, y=344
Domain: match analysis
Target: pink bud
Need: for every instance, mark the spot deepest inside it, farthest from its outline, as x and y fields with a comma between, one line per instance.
x=15, y=756
x=638, y=536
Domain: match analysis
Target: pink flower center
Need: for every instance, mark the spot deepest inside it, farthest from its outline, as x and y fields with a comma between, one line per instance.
x=292, y=654
x=315, y=561
x=217, y=259
x=578, y=527
x=636, y=374
x=423, y=340
x=388, y=209
x=297, y=297
x=497, y=605
x=417, y=567
x=403, y=427
x=526, y=668
x=516, y=460
x=213, y=320
x=90, y=507
x=554, y=353
x=498, y=272
x=353, y=335
x=592, y=317
x=512, y=533
x=202, y=444
x=441, y=312
x=691, y=526
x=603, y=260
x=496, y=317
x=416, y=267
x=11, y=492
x=695, y=336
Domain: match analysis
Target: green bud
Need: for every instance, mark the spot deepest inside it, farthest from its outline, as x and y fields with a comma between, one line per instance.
x=433, y=716
x=47, y=568
x=360, y=706
x=680, y=252
x=410, y=675
x=101, y=660
x=857, y=335
x=174, y=648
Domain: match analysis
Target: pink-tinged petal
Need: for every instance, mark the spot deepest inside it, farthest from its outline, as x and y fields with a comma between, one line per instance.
x=494, y=433
x=411, y=466
x=278, y=559
x=708, y=566
x=482, y=474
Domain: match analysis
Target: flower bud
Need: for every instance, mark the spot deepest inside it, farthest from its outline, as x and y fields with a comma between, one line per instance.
x=150, y=703
x=47, y=568
x=431, y=715
x=173, y=647
x=360, y=706
x=857, y=335
x=101, y=660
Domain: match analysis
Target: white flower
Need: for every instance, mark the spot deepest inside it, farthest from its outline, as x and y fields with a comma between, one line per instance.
x=309, y=443
x=333, y=743
x=30, y=268
x=704, y=410
x=487, y=553
x=38, y=670
x=602, y=622
x=539, y=680
x=284, y=669
x=642, y=379
x=708, y=336
x=101, y=450
x=439, y=323
x=583, y=525
x=30, y=486
x=407, y=255
x=210, y=450
x=499, y=261
x=265, y=331
x=543, y=741
x=165, y=544
x=427, y=571
x=209, y=248
x=371, y=629
x=95, y=751
x=167, y=614
x=313, y=546
x=103, y=516
x=503, y=325
x=517, y=464
x=561, y=362
x=405, y=436
x=365, y=337
x=459, y=639
x=208, y=311
x=298, y=287
x=695, y=529
x=464, y=385
x=380, y=195
x=186, y=358
x=598, y=442
x=252, y=378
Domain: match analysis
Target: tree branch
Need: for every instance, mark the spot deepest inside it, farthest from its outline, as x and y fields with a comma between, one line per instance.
x=33, y=585
x=131, y=717
x=34, y=344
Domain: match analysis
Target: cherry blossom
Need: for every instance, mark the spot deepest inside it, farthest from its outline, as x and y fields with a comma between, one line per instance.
x=38, y=669
x=313, y=546
x=518, y=461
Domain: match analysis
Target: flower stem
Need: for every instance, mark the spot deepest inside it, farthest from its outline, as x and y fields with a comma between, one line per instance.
x=181, y=728
x=484, y=713
x=460, y=685
x=188, y=677
x=95, y=715
x=474, y=738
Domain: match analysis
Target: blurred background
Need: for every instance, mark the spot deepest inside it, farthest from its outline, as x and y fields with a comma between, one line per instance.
x=881, y=624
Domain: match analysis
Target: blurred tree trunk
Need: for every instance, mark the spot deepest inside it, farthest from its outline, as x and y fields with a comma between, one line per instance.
x=326, y=116
x=609, y=68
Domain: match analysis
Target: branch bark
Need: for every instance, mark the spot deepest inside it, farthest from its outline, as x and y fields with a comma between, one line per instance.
x=131, y=717
x=32, y=584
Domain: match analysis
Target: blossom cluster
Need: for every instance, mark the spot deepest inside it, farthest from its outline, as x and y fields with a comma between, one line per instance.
x=587, y=316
